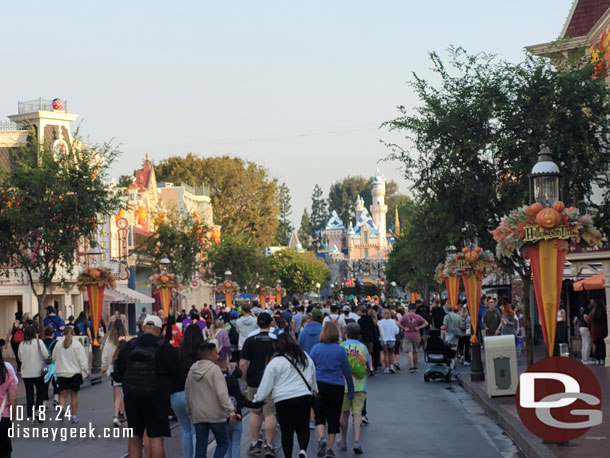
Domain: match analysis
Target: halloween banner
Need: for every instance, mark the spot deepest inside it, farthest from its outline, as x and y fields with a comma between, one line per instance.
x=96, y=301
x=165, y=294
x=453, y=290
x=472, y=288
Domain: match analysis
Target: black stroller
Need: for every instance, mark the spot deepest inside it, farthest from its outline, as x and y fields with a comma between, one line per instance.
x=440, y=355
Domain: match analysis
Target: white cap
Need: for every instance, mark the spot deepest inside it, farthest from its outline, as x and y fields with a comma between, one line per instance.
x=153, y=320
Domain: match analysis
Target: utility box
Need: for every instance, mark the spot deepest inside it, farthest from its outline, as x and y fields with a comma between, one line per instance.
x=501, y=365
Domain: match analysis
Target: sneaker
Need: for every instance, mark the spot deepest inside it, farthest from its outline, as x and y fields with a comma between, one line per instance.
x=116, y=422
x=322, y=447
x=31, y=421
x=302, y=454
x=466, y=363
x=330, y=453
x=312, y=425
x=415, y=369
x=386, y=371
x=411, y=370
x=371, y=373
x=269, y=452
x=392, y=371
x=365, y=420
x=255, y=449
x=588, y=362
x=74, y=419
x=341, y=445
x=397, y=365
x=357, y=448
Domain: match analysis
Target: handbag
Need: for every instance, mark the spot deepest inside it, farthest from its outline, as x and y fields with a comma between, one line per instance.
x=301, y=374
x=45, y=364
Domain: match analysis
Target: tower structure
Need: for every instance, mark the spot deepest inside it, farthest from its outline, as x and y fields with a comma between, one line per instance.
x=379, y=209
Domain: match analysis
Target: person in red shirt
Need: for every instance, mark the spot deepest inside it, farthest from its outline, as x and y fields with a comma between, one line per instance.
x=411, y=323
x=175, y=336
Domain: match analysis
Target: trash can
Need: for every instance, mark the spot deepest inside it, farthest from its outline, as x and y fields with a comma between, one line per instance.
x=84, y=340
x=501, y=365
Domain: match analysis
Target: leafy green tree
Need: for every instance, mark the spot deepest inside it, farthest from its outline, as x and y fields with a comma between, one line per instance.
x=478, y=131
x=125, y=180
x=305, y=230
x=183, y=239
x=49, y=203
x=319, y=215
x=244, y=197
x=299, y=272
x=285, y=228
x=242, y=257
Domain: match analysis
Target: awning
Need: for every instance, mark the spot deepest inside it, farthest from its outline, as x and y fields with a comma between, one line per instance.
x=133, y=297
x=109, y=296
x=595, y=282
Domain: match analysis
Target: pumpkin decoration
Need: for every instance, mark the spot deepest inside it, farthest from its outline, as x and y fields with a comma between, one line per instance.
x=95, y=273
x=164, y=279
x=478, y=249
x=549, y=218
x=534, y=209
x=472, y=256
x=559, y=206
x=465, y=250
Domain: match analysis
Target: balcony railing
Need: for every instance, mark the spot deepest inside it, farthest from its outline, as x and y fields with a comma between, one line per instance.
x=201, y=190
x=9, y=125
x=39, y=105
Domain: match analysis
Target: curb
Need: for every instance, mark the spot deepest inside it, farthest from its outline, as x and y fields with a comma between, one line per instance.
x=526, y=441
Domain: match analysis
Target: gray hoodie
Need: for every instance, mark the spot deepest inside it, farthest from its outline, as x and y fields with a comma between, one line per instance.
x=206, y=394
x=245, y=325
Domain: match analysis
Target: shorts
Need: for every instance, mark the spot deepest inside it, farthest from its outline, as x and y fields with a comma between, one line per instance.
x=148, y=415
x=267, y=409
x=389, y=344
x=411, y=345
x=356, y=405
x=235, y=354
x=70, y=383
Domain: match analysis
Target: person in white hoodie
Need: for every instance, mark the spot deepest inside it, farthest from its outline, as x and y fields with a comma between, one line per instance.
x=71, y=367
x=290, y=378
x=244, y=326
x=32, y=354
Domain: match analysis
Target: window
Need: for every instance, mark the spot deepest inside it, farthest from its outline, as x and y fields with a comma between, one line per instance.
x=366, y=252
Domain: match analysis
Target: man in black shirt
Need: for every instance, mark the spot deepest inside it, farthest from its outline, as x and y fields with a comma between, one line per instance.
x=255, y=355
x=147, y=367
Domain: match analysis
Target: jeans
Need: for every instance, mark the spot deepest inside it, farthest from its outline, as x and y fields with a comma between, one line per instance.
x=234, y=440
x=187, y=429
x=221, y=434
x=585, y=335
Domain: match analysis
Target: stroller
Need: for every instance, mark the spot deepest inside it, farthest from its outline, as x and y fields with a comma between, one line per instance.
x=440, y=354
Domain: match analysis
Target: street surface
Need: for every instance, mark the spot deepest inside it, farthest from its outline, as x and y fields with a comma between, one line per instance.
x=407, y=418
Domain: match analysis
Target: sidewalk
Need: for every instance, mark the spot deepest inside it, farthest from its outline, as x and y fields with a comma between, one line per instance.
x=504, y=411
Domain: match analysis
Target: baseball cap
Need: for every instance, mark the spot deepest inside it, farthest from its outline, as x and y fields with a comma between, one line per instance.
x=153, y=320
x=346, y=308
x=316, y=313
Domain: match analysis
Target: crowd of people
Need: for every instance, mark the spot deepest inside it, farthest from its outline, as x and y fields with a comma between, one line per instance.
x=302, y=367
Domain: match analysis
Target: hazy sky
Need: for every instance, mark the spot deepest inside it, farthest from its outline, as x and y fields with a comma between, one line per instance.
x=300, y=87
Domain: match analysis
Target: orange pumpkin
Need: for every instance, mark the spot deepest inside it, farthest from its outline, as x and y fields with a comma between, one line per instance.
x=548, y=218
x=465, y=250
x=534, y=209
x=95, y=273
x=559, y=206
x=473, y=256
x=478, y=249
x=163, y=278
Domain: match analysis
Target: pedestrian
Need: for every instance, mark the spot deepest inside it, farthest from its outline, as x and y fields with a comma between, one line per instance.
x=452, y=325
x=143, y=315
x=255, y=354
x=412, y=323
x=599, y=331
x=310, y=334
x=585, y=332
x=146, y=367
x=562, y=325
x=390, y=331
x=81, y=327
x=437, y=314
x=71, y=367
x=332, y=373
x=509, y=325
x=220, y=334
x=117, y=333
x=295, y=324
x=397, y=316
x=8, y=403
x=188, y=355
x=33, y=355
x=175, y=336
x=337, y=318
x=378, y=342
x=492, y=318
x=464, y=339
x=15, y=337
x=291, y=377
x=245, y=325
x=50, y=341
x=368, y=330
x=54, y=320
x=359, y=360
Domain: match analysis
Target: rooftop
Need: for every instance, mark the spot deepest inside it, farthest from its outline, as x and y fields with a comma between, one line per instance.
x=584, y=15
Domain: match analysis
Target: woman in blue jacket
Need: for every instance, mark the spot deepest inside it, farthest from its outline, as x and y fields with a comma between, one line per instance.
x=332, y=371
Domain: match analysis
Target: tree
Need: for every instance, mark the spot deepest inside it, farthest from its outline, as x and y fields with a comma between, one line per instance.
x=49, y=206
x=183, y=239
x=305, y=230
x=125, y=180
x=242, y=257
x=478, y=132
x=285, y=228
x=299, y=272
x=244, y=197
x=319, y=215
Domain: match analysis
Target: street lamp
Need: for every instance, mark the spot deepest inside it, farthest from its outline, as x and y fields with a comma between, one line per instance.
x=228, y=275
x=93, y=254
x=451, y=250
x=165, y=263
x=318, y=286
x=544, y=179
x=393, y=285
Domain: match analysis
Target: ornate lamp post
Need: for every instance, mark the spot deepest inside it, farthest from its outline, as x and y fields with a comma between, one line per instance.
x=393, y=295
x=318, y=287
x=228, y=290
x=278, y=292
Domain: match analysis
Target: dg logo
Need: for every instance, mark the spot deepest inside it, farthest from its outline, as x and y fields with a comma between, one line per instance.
x=559, y=399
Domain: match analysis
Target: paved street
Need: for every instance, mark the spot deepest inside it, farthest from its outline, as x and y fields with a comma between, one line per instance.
x=408, y=418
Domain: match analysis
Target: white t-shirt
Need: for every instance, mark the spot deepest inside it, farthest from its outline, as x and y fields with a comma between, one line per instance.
x=390, y=329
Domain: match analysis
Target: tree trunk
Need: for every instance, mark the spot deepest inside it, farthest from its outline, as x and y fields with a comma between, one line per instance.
x=529, y=341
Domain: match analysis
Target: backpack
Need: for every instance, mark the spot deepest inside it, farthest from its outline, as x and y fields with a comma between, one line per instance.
x=357, y=367
x=18, y=335
x=233, y=334
x=141, y=380
x=508, y=328
x=80, y=328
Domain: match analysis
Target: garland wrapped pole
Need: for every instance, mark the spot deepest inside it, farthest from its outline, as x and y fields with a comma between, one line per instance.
x=542, y=233
x=95, y=281
x=164, y=284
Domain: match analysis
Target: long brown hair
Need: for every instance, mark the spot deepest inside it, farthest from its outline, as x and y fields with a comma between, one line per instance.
x=116, y=330
x=68, y=334
x=330, y=333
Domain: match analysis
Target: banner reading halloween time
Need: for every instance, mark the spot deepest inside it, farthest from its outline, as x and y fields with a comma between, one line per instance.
x=165, y=294
x=229, y=299
x=452, y=284
x=96, y=301
x=547, y=259
x=472, y=288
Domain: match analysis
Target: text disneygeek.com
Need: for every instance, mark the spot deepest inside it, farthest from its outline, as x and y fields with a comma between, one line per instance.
x=65, y=433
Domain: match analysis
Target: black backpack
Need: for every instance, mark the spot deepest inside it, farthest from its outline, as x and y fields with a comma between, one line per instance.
x=233, y=335
x=141, y=379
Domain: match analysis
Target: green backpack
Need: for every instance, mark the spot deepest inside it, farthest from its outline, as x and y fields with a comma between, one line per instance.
x=357, y=366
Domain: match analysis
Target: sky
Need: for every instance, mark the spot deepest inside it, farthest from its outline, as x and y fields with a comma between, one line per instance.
x=301, y=88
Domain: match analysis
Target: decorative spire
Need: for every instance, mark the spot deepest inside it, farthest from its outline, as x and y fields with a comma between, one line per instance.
x=396, y=222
